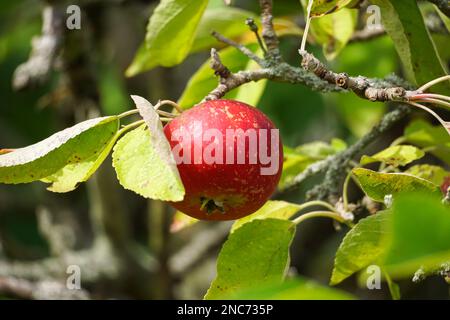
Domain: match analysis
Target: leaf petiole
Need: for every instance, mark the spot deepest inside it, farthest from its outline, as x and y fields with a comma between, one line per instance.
x=321, y=214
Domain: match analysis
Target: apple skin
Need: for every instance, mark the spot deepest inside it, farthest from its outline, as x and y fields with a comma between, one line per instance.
x=445, y=185
x=223, y=191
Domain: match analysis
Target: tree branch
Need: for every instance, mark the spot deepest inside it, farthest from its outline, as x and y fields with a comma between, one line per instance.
x=364, y=87
x=195, y=251
x=243, y=49
x=44, y=51
x=336, y=166
x=316, y=76
x=268, y=31
x=41, y=290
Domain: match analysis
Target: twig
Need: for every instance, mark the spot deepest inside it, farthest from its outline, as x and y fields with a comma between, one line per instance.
x=362, y=86
x=228, y=80
x=337, y=165
x=238, y=46
x=268, y=31
x=322, y=80
x=41, y=290
x=254, y=28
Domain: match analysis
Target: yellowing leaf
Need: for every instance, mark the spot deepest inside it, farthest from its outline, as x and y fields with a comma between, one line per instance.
x=323, y=7
x=141, y=169
x=377, y=185
x=333, y=31
x=396, y=155
x=70, y=146
x=271, y=209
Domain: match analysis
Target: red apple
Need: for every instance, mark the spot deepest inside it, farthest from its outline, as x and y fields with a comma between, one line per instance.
x=229, y=156
x=445, y=185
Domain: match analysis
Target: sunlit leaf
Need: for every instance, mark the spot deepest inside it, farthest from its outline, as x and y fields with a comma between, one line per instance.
x=323, y=7
x=73, y=145
x=298, y=159
x=228, y=21
x=420, y=229
x=255, y=254
x=294, y=289
x=271, y=209
x=181, y=221
x=69, y=177
x=377, y=185
x=170, y=34
x=434, y=174
x=396, y=156
x=404, y=23
x=362, y=245
x=333, y=31
x=141, y=169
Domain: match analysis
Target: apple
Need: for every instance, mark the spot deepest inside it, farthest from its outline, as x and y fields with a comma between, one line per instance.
x=445, y=185
x=229, y=156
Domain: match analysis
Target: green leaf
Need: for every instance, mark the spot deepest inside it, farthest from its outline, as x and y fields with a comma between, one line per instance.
x=362, y=246
x=228, y=21
x=396, y=156
x=423, y=134
x=294, y=289
x=404, y=23
x=294, y=163
x=141, y=168
x=444, y=18
x=323, y=7
x=204, y=80
x=377, y=185
x=420, y=229
x=170, y=34
x=73, y=145
x=434, y=174
x=298, y=159
x=254, y=254
x=333, y=31
x=69, y=177
x=271, y=209
x=181, y=221
x=320, y=149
